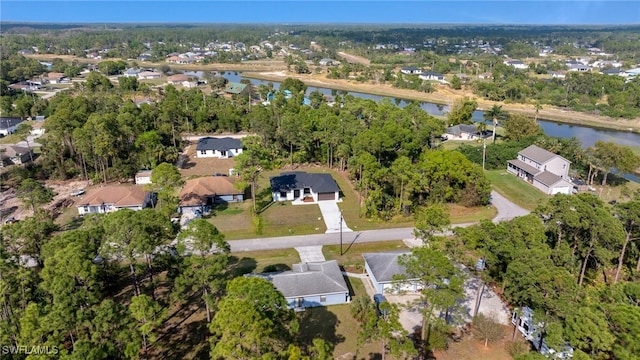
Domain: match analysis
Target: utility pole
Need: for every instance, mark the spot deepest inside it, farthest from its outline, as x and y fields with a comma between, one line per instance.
x=484, y=151
x=340, y=232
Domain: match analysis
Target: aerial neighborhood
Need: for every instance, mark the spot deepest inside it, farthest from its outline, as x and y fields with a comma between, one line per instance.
x=311, y=192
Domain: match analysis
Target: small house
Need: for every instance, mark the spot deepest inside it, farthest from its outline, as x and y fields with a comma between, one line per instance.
x=311, y=284
x=14, y=155
x=383, y=270
x=302, y=186
x=411, y=70
x=222, y=148
x=113, y=198
x=143, y=177
x=431, y=76
x=462, y=132
x=200, y=194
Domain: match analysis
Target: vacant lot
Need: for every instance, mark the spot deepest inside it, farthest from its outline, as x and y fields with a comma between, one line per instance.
x=190, y=165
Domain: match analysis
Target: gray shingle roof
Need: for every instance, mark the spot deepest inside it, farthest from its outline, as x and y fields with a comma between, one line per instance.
x=319, y=183
x=524, y=166
x=384, y=265
x=458, y=129
x=537, y=154
x=220, y=144
x=307, y=279
x=547, y=178
x=7, y=122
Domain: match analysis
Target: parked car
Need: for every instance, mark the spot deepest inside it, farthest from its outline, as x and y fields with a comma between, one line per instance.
x=77, y=192
x=10, y=220
x=379, y=299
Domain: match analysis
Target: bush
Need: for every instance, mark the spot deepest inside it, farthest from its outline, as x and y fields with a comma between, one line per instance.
x=485, y=328
x=518, y=347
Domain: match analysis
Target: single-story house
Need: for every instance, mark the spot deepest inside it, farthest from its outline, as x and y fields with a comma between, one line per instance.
x=112, y=198
x=38, y=128
x=143, y=177
x=411, y=70
x=149, y=75
x=383, y=267
x=235, y=88
x=198, y=195
x=516, y=64
x=177, y=79
x=328, y=62
x=299, y=185
x=131, y=72
x=8, y=125
x=462, y=132
x=431, y=76
x=14, y=155
x=25, y=86
x=311, y=284
x=543, y=169
x=55, y=77
x=222, y=148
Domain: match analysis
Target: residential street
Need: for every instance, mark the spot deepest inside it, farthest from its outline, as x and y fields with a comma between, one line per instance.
x=506, y=210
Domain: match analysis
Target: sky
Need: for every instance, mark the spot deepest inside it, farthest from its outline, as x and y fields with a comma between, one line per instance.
x=558, y=12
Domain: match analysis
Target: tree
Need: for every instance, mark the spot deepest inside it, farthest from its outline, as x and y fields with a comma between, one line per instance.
x=251, y=321
x=537, y=107
x=519, y=127
x=629, y=214
x=610, y=155
x=462, y=111
x=149, y=315
x=296, y=86
x=166, y=180
x=206, y=261
x=487, y=329
x=128, y=83
x=495, y=113
x=456, y=84
x=441, y=283
x=33, y=194
x=431, y=220
x=23, y=131
x=252, y=161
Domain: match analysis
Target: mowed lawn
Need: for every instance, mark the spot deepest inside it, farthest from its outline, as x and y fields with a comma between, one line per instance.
x=516, y=190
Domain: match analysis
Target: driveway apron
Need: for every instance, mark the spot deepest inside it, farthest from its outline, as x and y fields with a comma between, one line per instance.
x=332, y=217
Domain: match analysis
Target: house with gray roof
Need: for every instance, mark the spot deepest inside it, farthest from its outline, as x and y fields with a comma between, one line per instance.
x=462, y=132
x=8, y=125
x=543, y=169
x=222, y=148
x=383, y=270
x=303, y=186
x=311, y=284
x=411, y=70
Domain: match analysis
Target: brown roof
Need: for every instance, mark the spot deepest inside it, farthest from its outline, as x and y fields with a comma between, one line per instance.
x=116, y=195
x=196, y=191
x=177, y=78
x=12, y=150
x=55, y=75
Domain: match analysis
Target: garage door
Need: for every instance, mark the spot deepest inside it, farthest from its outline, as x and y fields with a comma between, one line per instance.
x=326, y=196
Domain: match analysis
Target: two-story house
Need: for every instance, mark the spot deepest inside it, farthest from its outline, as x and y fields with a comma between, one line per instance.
x=543, y=169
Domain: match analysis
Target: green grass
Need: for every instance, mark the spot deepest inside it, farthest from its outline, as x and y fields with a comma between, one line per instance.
x=459, y=214
x=255, y=261
x=516, y=190
x=10, y=139
x=351, y=258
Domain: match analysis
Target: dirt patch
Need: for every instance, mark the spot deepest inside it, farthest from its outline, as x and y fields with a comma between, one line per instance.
x=189, y=165
x=354, y=58
x=472, y=349
x=10, y=205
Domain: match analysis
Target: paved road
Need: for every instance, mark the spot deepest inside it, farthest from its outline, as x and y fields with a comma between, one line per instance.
x=506, y=210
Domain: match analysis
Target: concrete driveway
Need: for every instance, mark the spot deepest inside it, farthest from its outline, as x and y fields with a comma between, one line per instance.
x=310, y=253
x=332, y=217
x=506, y=209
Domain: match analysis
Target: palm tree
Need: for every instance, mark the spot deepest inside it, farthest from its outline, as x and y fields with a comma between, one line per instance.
x=494, y=113
x=538, y=107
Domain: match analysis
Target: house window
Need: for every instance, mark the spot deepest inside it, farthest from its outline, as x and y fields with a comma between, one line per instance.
x=203, y=152
x=296, y=193
x=223, y=153
x=283, y=194
x=307, y=191
x=323, y=298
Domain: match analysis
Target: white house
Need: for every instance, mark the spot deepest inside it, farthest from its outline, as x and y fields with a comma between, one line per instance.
x=8, y=125
x=143, y=177
x=38, y=128
x=516, y=64
x=310, y=284
x=113, y=198
x=149, y=75
x=543, y=169
x=462, y=132
x=411, y=70
x=302, y=186
x=383, y=270
x=222, y=148
x=431, y=76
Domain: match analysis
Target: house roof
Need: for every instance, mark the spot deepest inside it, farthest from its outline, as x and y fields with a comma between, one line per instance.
x=143, y=173
x=7, y=122
x=119, y=196
x=148, y=73
x=524, y=166
x=177, y=78
x=538, y=154
x=196, y=191
x=55, y=75
x=462, y=128
x=548, y=178
x=307, y=279
x=320, y=183
x=384, y=265
x=220, y=144
x=410, y=68
x=431, y=73
x=235, y=88
x=12, y=151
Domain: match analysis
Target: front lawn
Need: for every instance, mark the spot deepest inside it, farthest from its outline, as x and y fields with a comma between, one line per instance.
x=516, y=190
x=351, y=258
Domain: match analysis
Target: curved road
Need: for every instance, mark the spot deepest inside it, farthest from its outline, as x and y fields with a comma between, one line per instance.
x=506, y=211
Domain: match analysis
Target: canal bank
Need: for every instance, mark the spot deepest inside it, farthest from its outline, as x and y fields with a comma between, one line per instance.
x=446, y=96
